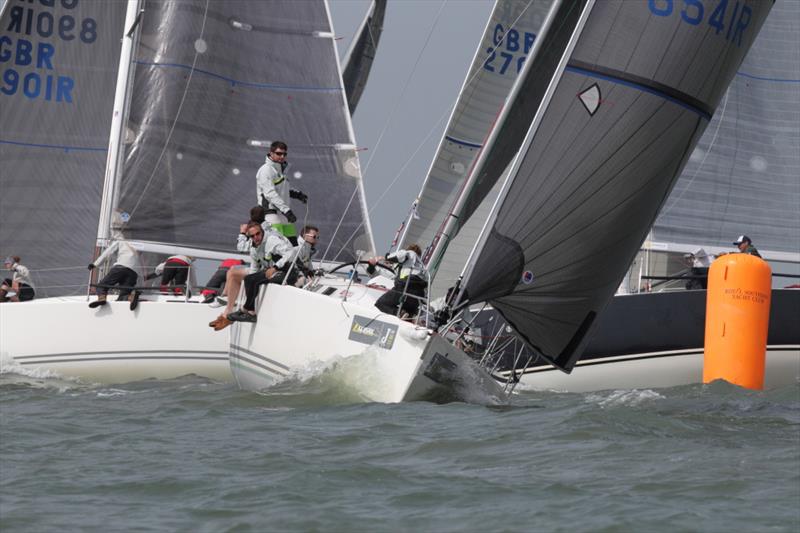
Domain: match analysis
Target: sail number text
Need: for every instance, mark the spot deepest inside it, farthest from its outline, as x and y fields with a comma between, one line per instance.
x=29, y=64
x=728, y=17
x=509, y=51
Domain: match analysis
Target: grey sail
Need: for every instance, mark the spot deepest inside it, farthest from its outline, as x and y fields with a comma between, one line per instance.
x=743, y=175
x=508, y=38
x=361, y=55
x=215, y=83
x=638, y=84
x=58, y=69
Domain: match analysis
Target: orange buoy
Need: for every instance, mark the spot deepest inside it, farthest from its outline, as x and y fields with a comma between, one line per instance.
x=737, y=317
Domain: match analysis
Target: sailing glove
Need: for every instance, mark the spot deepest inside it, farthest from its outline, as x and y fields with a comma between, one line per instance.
x=91, y=266
x=290, y=216
x=298, y=195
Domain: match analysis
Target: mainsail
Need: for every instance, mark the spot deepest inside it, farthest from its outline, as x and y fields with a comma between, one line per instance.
x=507, y=40
x=637, y=84
x=743, y=175
x=59, y=64
x=215, y=83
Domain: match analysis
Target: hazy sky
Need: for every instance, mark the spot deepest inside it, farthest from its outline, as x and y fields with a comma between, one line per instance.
x=404, y=109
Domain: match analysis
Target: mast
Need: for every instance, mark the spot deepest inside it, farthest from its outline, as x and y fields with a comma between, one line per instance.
x=468, y=267
x=442, y=239
x=116, y=139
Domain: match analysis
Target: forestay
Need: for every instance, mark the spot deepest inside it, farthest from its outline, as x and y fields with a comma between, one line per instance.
x=58, y=68
x=508, y=38
x=637, y=86
x=743, y=175
x=215, y=83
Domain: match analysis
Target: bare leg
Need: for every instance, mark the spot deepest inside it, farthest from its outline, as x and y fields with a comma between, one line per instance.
x=233, y=284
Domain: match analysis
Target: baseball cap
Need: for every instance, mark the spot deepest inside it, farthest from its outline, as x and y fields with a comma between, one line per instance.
x=741, y=239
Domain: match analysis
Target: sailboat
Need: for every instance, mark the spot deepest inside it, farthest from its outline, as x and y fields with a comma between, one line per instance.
x=192, y=98
x=661, y=341
x=610, y=107
x=741, y=178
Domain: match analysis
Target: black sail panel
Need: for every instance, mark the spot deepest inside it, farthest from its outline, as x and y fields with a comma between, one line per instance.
x=743, y=175
x=635, y=96
x=215, y=84
x=58, y=71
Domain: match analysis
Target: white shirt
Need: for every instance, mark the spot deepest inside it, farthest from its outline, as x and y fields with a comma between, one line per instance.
x=409, y=261
x=21, y=274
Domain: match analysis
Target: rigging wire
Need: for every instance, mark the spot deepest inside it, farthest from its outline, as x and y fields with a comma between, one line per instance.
x=380, y=138
x=425, y=139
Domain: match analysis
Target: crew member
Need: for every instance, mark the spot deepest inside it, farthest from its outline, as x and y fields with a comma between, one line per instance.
x=745, y=245
x=409, y=284
x=274, y=192
x=20, y=282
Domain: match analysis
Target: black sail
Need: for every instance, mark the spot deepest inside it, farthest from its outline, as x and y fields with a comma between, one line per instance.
x=58, y=71
x=635, y=95
x=215, y=83
x=358, y=63
x=744, y=175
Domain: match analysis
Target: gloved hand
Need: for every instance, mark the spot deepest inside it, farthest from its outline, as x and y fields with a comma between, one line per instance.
x=320, y=272
x=290, y=216
x=298, y=195
x=92, y=266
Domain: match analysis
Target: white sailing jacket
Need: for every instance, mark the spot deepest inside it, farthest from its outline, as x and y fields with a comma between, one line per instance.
x=127, y=256
x=21, y=275
x=261, y=256
x=304, y=251
x=273, y=185
x=409, y=262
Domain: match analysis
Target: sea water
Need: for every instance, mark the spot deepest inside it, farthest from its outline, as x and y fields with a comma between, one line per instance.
x=310, y=454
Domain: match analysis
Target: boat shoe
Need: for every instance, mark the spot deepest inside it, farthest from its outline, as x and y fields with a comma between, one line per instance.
x=221, y=323
x=241, y=316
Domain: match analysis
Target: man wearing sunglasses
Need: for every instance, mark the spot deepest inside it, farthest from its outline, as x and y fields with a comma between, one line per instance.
x=265, y=246
x=290, y=266
x=274, y=192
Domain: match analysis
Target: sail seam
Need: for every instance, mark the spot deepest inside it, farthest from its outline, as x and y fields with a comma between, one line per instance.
x=235, y=82
x=623, y=78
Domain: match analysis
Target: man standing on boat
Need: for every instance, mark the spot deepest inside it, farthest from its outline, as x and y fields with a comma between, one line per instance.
x=274, y=192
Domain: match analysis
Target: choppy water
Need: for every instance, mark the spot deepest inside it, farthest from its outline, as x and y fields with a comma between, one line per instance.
x=192, y=455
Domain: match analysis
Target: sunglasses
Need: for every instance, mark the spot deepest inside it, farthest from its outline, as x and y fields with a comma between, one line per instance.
x=280, y=153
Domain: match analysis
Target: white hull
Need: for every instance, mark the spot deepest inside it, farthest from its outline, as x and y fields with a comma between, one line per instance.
x=393, y=360
x=163, y=339
x=654, y=370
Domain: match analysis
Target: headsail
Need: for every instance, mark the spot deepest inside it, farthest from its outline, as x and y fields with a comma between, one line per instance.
x=507, y=40
x=743, y=175
x=59, y=65
x=638, y=84
x=361, y=55
x=215, y=84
